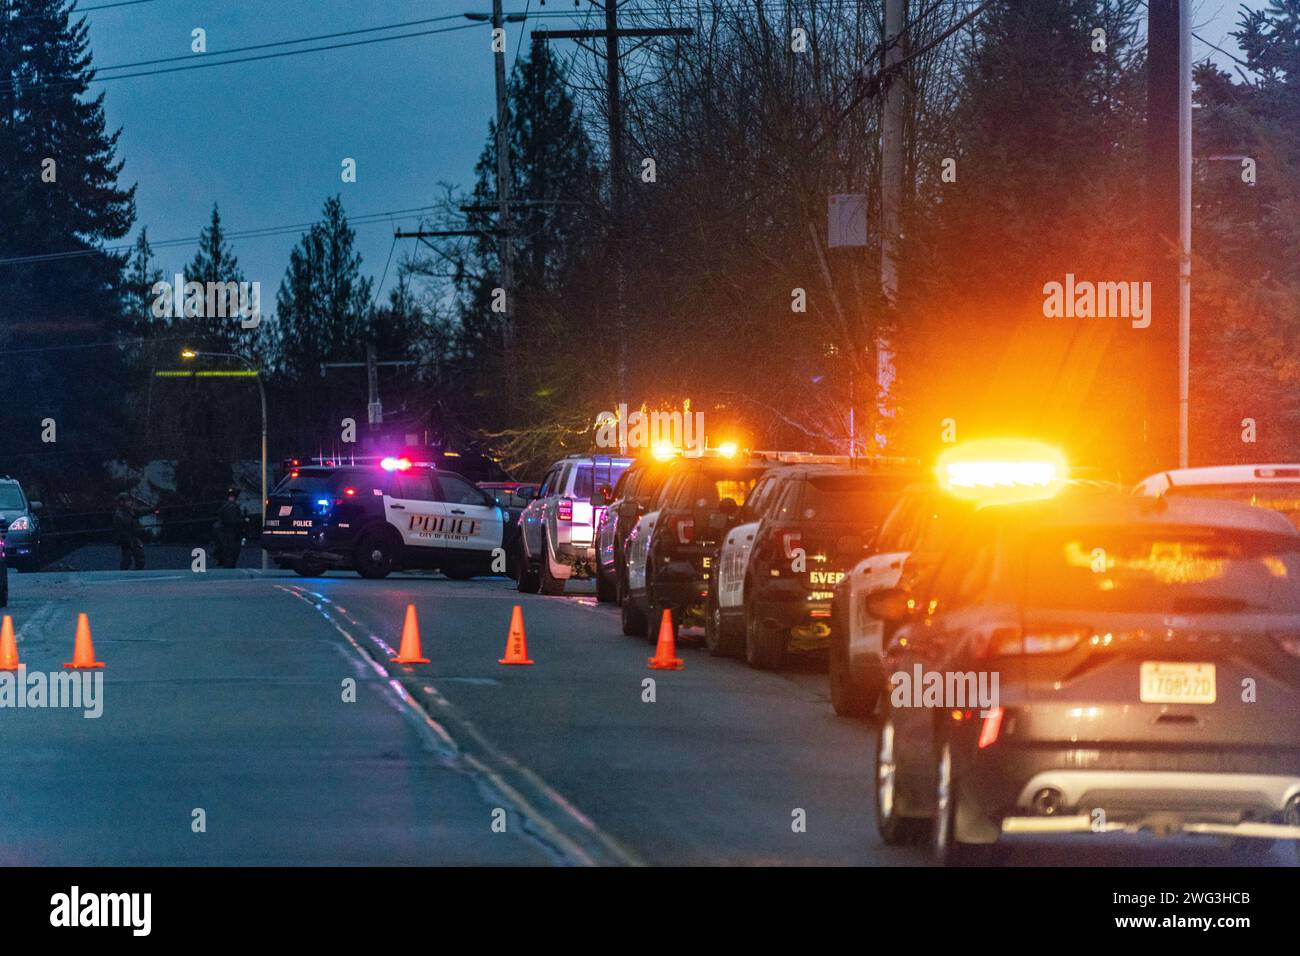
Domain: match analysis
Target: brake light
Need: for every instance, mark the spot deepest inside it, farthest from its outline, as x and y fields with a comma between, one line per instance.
x=1054, y=639
x=992, y=727
x=565, y=512
x=791, y=541
x=684, y=529
x=349, y=492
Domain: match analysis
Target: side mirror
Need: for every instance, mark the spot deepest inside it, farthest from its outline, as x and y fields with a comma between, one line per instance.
x=892, y=605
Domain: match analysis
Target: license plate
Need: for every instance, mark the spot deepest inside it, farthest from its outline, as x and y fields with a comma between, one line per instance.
x=1167, y=683
x=286, y=510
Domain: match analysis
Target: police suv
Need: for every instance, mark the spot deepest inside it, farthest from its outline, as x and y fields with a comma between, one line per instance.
x=378, y=518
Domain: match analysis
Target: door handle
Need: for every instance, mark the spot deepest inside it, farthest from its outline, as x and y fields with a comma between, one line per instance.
x=457, y=511
x=398, y=507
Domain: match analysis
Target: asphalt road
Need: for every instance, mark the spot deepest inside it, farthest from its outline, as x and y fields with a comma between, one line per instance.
x=224, y=702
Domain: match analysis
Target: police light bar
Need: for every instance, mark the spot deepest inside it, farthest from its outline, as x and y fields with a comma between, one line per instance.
x=1002, y=470
x=395, y=464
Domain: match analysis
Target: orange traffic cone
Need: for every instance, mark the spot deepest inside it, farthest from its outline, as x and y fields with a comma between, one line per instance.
x=8, y=646
x=83, y=651
x=410, y=652
x=666, y=658
x=516, y=641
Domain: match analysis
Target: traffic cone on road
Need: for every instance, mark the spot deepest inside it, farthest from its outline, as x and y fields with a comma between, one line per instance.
x=516, y=641
x=410, y=650
x=83, y=651
x=666, y=658
x=8, y=646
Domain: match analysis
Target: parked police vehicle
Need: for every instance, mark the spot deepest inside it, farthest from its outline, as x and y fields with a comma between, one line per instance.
x=776, y=584
x=631, y=499
x=557, y=534
x=377, y=518
x=670, y=549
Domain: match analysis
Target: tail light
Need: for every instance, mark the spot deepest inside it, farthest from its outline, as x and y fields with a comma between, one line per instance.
x=565, y=512
x=791, y=541
x=684, y=530
x=1050, y=639
x=991, y=728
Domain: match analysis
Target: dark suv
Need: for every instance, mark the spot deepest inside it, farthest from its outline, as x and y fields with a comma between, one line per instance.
x=19, y=526
x=635, y=490
x=817, y=523
x=1092, y=664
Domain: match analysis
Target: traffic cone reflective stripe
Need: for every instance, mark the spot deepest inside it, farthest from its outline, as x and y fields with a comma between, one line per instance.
x=83, y=651
x=666, y=658
x=516, y=641
x=410, y=650
x=8, y=645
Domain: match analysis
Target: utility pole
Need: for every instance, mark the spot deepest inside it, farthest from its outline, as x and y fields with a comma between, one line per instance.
x=1162, y=363
x=503, y=206
x=374, y=407
x=891, y=186
x=1184, y=223
x=617, y=170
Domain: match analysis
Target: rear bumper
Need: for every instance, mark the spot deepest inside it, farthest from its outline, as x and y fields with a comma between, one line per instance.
x=331, y=545
x=791, y=606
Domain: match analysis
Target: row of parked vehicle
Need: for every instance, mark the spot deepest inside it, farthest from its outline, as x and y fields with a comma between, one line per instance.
x=1042, y=653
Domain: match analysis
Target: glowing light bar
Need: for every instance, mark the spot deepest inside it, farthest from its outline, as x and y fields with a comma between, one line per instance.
x=663, y=451
x=395, y=464
x=727, y=449
x=1002, y=470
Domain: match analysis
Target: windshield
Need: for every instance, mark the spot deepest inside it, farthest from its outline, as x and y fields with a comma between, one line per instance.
x=850, y=499
x=1280, y=496
x=11, y=498
x=308, y=483
x=1164, y=570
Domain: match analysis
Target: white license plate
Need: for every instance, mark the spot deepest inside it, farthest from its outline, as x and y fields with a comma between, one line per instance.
x=1169, y=683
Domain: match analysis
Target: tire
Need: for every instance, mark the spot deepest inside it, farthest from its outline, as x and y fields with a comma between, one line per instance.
x=634, y=622
x=307, y=568
x=606, y=590
x=717, y=638
x=947, y=849
x=374, y=555
x=849, y=697
x=526, y=581
x=764, y=644
x=894, y=829
x=549, y=583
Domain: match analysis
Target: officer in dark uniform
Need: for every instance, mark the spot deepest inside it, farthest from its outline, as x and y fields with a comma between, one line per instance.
x=230, y=530
x=127, y=533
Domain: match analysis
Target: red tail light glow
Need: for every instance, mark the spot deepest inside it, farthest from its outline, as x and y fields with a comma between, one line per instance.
x=685, y=529
x=565, y=510
x=992, y=727
x=791, y=541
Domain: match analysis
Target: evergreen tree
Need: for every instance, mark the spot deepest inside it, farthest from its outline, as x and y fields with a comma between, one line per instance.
x=214, y=264
x=323, y=303
x=137, y=294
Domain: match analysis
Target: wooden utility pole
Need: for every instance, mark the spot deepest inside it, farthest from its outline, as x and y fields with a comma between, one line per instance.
x=611, y=34
x=891, y=185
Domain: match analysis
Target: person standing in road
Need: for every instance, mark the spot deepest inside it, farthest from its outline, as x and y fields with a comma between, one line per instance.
x=127, y=533
x=230, y=530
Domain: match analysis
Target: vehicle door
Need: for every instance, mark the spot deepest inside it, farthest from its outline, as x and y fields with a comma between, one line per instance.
x=472, y=519
x=642, y=534
x=414, y=510
x=733, y=556
x=534, y=516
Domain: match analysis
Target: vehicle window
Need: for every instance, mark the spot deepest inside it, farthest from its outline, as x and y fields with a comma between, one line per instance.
x=416, y=485
x=786, y=505
x=715, y=483
x=1176, y=570
x=668, y=491
x=961, y=575
x=752, y=509
x=898, y=529
x=307, y=482
x=684, y=491
x=548, y=483
x=458, y=491
x=860, y=499
x=627, y=484
x=652, y=480
x=587, y=478
x=1280, y=496
x=11, y=498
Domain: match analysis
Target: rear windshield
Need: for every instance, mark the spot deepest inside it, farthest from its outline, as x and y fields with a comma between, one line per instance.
x=852, y=499
x=11, y=498
x=1166, y=570
x=591, y=477
x=1279, y=496
x=314, y=482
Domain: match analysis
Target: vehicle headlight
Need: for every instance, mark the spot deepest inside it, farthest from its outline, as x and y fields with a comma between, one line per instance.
x=22, y=523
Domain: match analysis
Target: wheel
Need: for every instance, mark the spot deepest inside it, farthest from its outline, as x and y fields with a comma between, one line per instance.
x=308, y=568
x=375, y=554
x=606, y=590
x=550, y=584
x=526, y=581
x=894, y=828
x=764, y=644
x=634, y=622
x=717, y=638
x=849, y=697
x=947, y=847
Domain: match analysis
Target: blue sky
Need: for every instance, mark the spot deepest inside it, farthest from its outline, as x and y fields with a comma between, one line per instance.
x=265, y=139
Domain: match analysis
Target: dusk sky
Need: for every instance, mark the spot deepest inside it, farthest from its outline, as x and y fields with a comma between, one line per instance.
x=264, y=139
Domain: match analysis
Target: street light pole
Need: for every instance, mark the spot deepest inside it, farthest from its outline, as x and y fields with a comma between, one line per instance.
x=261, y=392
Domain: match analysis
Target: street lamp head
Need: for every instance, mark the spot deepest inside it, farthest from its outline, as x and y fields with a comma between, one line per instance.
x=188, y=354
